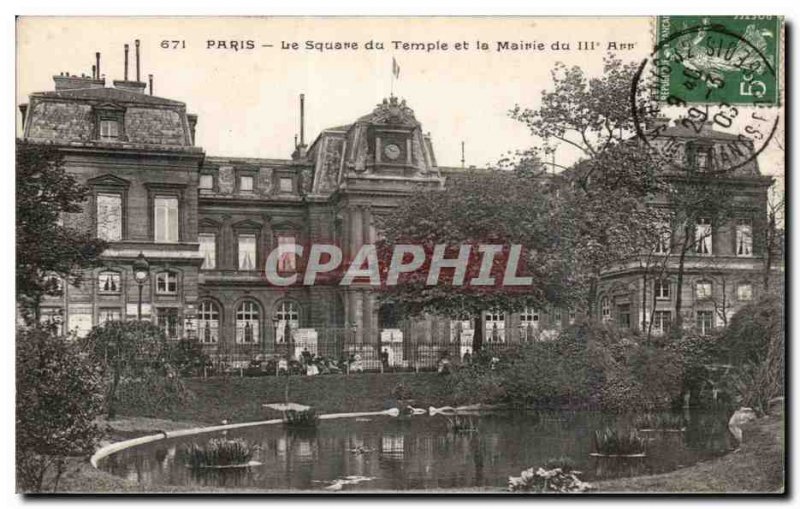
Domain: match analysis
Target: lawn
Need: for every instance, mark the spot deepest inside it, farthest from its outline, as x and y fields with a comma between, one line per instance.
x=237, y=399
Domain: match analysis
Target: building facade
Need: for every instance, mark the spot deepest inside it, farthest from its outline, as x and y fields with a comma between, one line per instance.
x=206, y=225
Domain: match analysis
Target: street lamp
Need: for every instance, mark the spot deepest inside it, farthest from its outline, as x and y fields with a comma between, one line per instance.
x=141, y=271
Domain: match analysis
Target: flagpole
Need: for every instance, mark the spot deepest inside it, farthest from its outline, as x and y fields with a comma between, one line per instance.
x=391, y=87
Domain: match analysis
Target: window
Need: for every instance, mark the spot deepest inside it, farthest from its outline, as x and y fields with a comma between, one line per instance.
x=287, y=261
x=109, y=283
x=247, y=320
x=168, y=322
x=573, y=315
x=557, y=317
x=495, y=324
x=109, y=315
x=663, y=244
x=286, y=184
x=206, y=181
x=661, y=288
x=286, y=313
x=528, y=323
x=704, y=321
x=702, y=237
x=166, y=219
x=744, y=238
x=624, y=316
x=54, y=317
x=247, y=251
x=166, y=283
x=661, y=321
x=702, y=290
x=109, y=216
x=703, y=159
x=605, y=309
x=109, y=130
x=208, y=249
x=208, y=322
x=246, y=183
x=744, y=292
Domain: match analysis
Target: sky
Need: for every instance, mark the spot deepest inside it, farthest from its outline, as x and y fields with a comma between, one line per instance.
x=247, y=99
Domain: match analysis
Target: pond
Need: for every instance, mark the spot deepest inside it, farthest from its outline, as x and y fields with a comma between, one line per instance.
x=419, y=453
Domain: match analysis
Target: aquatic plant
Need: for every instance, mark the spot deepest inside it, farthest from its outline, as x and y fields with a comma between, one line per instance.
x=660, y=421
x=544, y=480
x=219, y=452
x=301, y=418
x=461, y=424
x=614, y=442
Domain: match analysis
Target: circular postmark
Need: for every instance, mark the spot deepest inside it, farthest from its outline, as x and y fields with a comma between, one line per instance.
x=702, y=100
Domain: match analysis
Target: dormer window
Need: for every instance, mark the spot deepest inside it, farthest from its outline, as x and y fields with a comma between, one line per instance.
x=109, y=122
x=109, y=130
x=700, y=156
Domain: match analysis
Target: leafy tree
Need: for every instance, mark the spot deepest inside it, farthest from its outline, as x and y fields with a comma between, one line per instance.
x=46, y=248
x=136, y=363
x=500, y=208
x=605, y=196
x=59, y=394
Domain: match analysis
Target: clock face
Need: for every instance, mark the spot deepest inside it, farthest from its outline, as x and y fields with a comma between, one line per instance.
x=392, y=151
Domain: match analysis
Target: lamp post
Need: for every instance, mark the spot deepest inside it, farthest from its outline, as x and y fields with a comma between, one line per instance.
x=141, y=271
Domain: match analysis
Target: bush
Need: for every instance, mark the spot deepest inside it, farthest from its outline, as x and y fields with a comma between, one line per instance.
x=613, y=442
x=219, y=452
x=59, y=394
x=136, y=365
x=754, y=345
x=187, y=357
x=301, y=418
x=545, y=480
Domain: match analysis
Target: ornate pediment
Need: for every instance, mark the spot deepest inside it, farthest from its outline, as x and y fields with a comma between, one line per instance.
x=392, y=112
x=247, y=224
x=108, y=180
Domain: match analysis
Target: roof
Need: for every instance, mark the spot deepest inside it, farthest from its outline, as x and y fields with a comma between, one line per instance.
x=109, y=94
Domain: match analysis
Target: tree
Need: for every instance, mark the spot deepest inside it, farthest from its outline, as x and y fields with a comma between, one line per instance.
x=607, y=188
x=137, y=368
x=59, y=394
x=498, y=208
x=47, y=250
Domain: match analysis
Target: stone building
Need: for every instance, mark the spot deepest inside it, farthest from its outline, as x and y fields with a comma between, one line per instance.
x=206, y=224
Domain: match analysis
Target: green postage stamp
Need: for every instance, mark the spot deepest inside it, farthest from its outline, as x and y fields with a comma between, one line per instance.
x=732, y=59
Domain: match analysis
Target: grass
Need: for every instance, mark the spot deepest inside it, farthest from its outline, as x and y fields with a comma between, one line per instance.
x=614, y=442
x=660, y=421
x=218, y=452
x=462, y=424
x=238, y=399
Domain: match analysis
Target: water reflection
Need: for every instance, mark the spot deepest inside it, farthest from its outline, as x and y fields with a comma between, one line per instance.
x=420, y=453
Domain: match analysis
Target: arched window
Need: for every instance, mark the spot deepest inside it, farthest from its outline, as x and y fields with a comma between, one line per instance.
x=208, y=322
x=167, y=283
x=287, y=312
x=109, y=282
x=247, y=320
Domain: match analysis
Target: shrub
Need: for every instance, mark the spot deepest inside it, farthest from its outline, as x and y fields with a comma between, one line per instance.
x=136, y=365
x=301, y=418
x=401, y=391
x=187, y=357
x=614, y=442
x=565, y=463
x=218, y=452
x=59, y=394
x=660, y=421
x=461, y=424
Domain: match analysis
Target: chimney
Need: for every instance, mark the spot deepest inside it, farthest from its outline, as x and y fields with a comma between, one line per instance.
x=150, y=77
x=138, y=77
x=131, y=86
x=67, y=82
x=97, y=58
x=94, y=72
